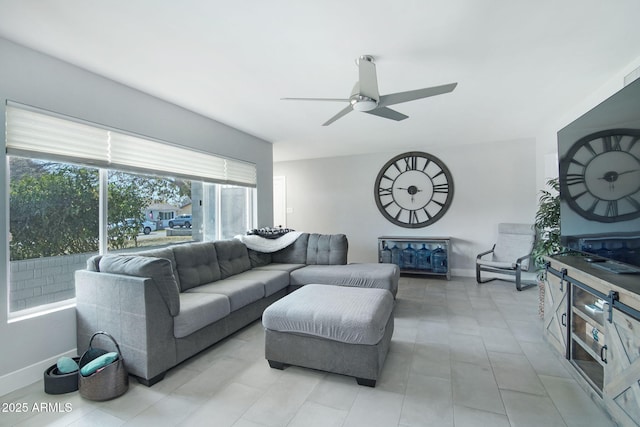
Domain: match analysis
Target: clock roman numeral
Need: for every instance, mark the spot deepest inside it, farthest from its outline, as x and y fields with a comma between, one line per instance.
x=590, y=149
x=413, y=217
x=398, y=214
x=385, y=176
x=437, y=203
x=612, y=142
x=612, y=208
x=411, y=163
x=385, y=191
x=398, y=168
x=441, y=188
x=393, y=202
x=593, y=206
x=575, y=162
x=438, y=174
x=577, y=196
x=574, y=178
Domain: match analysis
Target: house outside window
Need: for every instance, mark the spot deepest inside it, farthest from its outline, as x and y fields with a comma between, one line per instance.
x=57, y=219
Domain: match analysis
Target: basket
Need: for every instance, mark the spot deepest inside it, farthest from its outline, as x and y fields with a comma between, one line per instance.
x=57, y=383
x=108, y=382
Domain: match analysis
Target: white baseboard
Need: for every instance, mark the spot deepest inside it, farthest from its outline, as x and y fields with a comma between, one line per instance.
x=29, y=374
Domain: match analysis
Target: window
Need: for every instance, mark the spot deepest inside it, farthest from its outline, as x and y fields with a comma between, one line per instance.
x=228, y=211
x=53, y=226
x=59, y=170
x=131, y=199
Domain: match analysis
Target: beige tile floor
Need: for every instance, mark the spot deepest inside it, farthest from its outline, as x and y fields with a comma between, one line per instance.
x=462, y=355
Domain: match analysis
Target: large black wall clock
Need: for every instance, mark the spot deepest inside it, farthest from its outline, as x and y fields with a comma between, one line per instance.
x=600, y=175
x=413, y=189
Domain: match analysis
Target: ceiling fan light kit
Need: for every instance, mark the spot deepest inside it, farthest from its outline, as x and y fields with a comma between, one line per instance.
x=366, y=98
x=363, y=103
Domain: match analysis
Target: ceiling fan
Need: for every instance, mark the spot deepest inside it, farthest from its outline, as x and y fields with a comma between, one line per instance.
x=365, y=97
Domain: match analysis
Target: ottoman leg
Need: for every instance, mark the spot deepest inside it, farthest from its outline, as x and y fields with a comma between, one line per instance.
x=276, y=365
x=366, y=382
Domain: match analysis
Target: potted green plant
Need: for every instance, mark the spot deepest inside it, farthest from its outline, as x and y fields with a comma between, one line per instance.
x=547, y=223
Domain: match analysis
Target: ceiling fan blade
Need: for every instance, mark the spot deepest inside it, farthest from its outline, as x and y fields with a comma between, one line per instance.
x=316, y=99
x=399, y=97
x=368, y=79
x=387, y=113
x=342, y=112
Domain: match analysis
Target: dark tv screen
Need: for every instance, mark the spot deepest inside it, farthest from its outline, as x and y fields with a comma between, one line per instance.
x=599, y=172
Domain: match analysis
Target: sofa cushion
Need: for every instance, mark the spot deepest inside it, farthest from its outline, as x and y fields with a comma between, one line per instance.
x=198, y=311
x=233, y=257
x=197, y=264
x=296, y=253
x=272, y=280
x=383, y=276
x=327, y=249
x=158, y=269
x=161, y=253
x=348, y=315
x=259, y=259
x=239, y=292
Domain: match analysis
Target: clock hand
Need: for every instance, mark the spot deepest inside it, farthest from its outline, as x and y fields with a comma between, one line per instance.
x=612, y=176
x=412, y=190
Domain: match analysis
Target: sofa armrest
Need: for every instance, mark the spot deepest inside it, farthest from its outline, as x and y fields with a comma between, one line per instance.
x=133, y=311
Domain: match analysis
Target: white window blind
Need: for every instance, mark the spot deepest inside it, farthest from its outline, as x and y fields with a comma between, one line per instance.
x=37, y=134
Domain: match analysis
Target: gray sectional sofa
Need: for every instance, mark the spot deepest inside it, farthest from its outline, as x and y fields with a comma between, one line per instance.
x=166, y=305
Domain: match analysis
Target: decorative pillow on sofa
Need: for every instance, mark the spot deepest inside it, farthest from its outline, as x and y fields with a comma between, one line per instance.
x=158, y=269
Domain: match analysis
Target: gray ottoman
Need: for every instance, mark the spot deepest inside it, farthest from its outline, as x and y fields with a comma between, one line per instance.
x=339, y=329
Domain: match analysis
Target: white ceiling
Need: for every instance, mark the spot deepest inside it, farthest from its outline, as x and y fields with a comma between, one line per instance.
x=519, y=64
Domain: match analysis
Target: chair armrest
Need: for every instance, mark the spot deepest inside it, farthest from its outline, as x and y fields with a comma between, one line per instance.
x=522, y=258
x=480, y=255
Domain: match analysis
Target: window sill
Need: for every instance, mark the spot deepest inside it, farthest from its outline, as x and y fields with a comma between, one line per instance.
x=43, y=310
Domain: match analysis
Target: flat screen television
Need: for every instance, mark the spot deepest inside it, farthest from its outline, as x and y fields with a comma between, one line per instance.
x=599, y=175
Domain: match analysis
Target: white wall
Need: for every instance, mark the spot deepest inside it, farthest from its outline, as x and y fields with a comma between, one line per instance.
x=28, y=77
x=493, y=183
x=496, y=182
